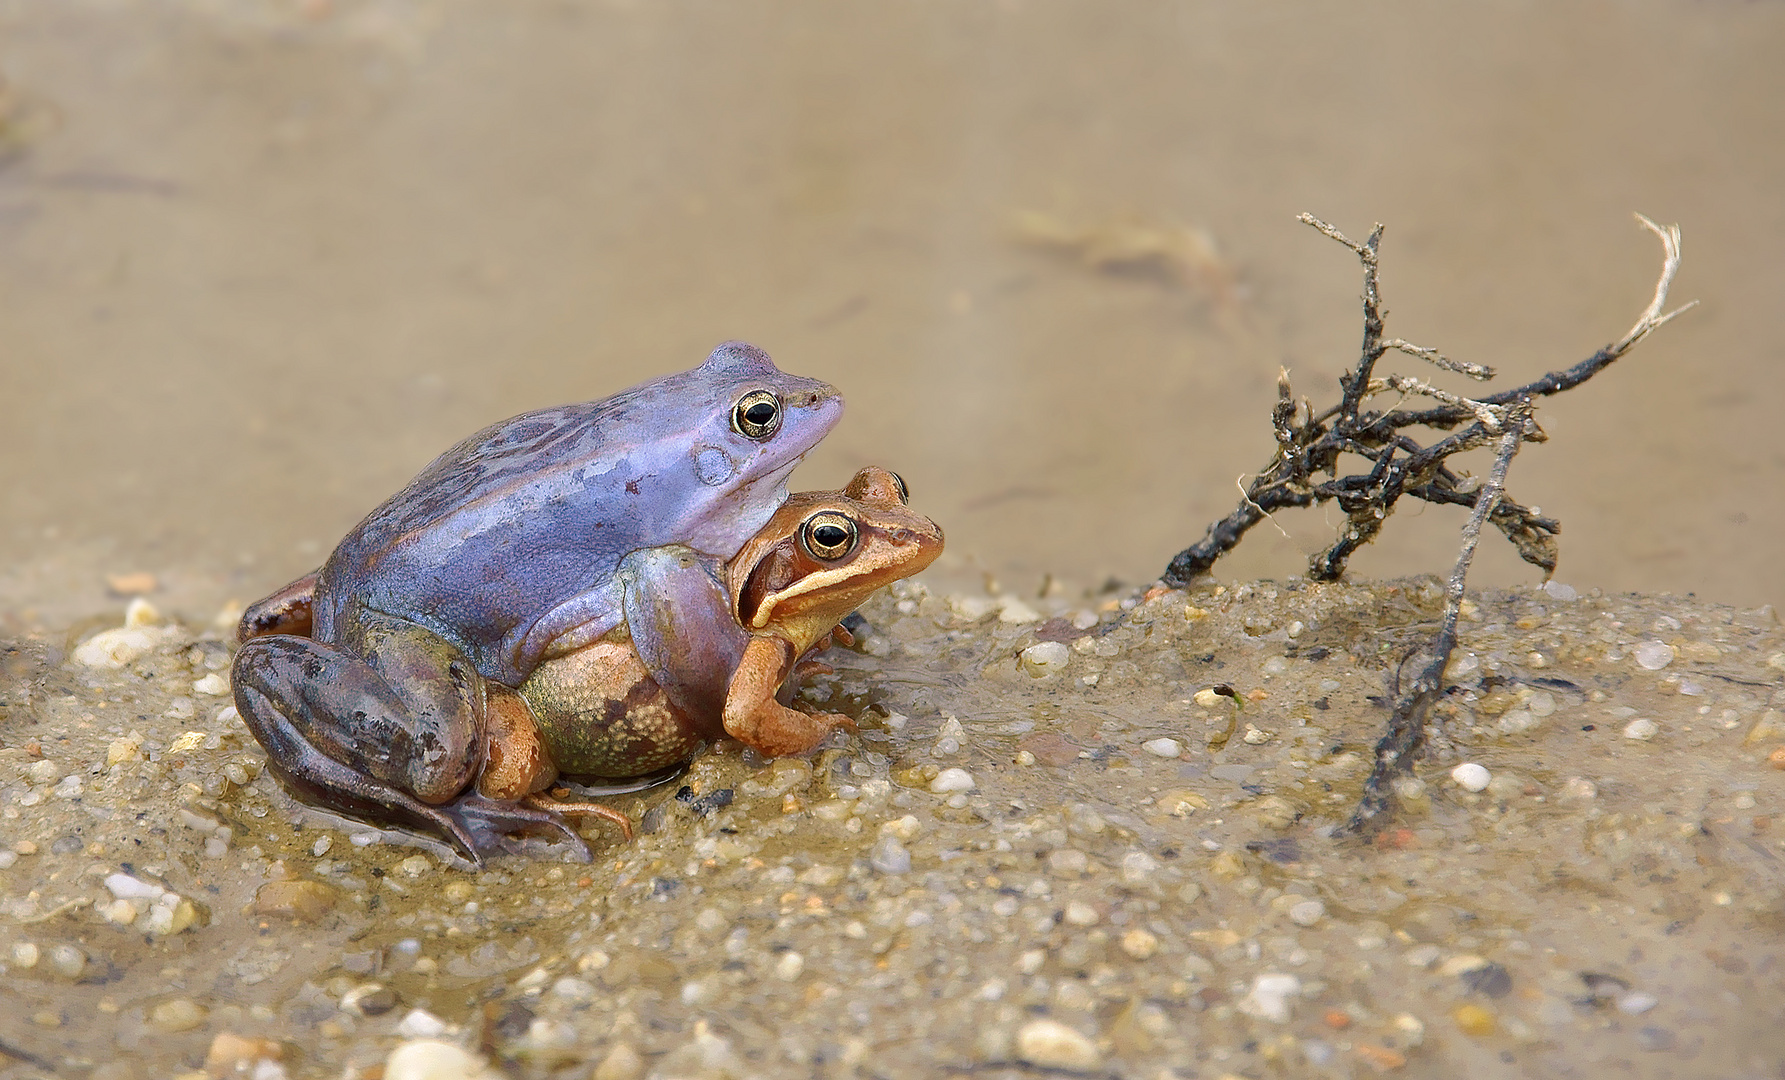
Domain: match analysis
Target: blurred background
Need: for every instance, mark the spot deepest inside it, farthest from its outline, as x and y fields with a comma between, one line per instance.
x=261, y=260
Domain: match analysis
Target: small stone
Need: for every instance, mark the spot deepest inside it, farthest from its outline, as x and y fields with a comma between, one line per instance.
x=621, y=1063
x=1578, y=789
x=574, y=990
x=1642, y=730
x=1270, y=997
x=321, y=846
x=129, y=748
x=421, y=1024
x=180, y=1014
x=139, y=613
x=949, y=780
x=1165, y=748
x=25, y=955
x=114, y=649
x=1471, y=777
x=1307, y=913
x=1014, y=611
x=1516, y=722
x=1207, y=698
x=1653, y=655
x=67, y=961
x=1636, y=1003
x=889, y=856
x=1140, y=944
x=1079, y=913
x=1559, y=591
x=790, y=966
x=239, y=1055
x=1045, y=658
x=1067, y=862
x=1049, y=1044
x=305, y=901
x=432, y=1059
x=1474, y=1020
x=415, y=866
x=214, y=685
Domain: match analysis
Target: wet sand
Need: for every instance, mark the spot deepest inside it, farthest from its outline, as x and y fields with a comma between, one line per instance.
x=1043, y=847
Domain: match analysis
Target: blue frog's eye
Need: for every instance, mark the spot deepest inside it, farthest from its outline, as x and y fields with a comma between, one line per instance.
x=828, y=535
x=757, y=415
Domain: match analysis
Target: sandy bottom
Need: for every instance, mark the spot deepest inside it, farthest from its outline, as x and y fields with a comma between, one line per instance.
x=1049, y=857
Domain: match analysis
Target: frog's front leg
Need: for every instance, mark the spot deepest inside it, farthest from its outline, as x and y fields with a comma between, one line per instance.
x=386, y=725
x=754, y=717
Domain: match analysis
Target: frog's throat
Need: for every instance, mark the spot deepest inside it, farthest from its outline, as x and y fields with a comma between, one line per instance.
x=722, y=540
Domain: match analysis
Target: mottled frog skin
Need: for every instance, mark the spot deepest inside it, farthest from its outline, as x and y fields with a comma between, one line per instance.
x=647, y=695
x=374, y=682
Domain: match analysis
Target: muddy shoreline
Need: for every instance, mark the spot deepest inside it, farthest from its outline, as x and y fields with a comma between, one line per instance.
x=1049, y=856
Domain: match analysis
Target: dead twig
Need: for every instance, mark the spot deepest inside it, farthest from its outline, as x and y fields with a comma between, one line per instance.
x=1305, y=471
x=1305, y=468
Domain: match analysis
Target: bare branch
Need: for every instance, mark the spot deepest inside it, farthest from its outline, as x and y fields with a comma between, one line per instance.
x=1478, y=372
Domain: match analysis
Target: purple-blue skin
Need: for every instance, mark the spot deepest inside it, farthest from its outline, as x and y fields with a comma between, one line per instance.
x=501, y=553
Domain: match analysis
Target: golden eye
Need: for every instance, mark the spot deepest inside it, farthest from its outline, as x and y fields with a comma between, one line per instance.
x=757, y=415
x=829, y=535
x=899, y=483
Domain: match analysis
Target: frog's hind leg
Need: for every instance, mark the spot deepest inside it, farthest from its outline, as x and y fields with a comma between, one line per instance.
x=337, y=731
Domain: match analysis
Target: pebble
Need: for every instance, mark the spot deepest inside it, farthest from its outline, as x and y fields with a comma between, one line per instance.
x=621, y=1063
x=952, y=780
x=1471, y=777
x=1559, y=591
x=1636, y=1003
x=214, y=684
x=1653, y=655
x=415, y=866
x=245, y=1056
x=305, y=901
x=1474, y=1020
x=180, y=1014
x=432, y=1059
x=1307, y=913
x=889, y=856
x=1045, y=658
x=1079, y=913
x=117, y=648
x=1165, y=748
x=1049, y=1044
x=1067, y=862
x=67, y=961
x=1270, y=997
x=790, y=966
x=421, y=1024
x=1641, y=730
x=1140, y=944
x=25, y=955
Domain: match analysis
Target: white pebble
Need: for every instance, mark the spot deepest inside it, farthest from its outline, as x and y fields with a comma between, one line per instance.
x=1165, y=748
x=1636, y=1003
x=789, y=967
x=890, y=857
x=1045, y=658
x=113, y=649
x=1140, y=944
x=415, y=865
x=8, y=858
x=431, y=1059
x=1653, y=655
x=68, y=961
x=420, y=1024
x=25, y=954
x=1471, y=777
x=952, y=780
x=1307, y=913
x=213, y=684
x=1049, y=1044
x=1542, y=703
x=1559, y=591
x=321, y=846
x=1012, y=610
x=1641, y=729
x=1270, y=997
x=1579, y=789
x=125, y=887
x=1079, y=913
x=1516, y=722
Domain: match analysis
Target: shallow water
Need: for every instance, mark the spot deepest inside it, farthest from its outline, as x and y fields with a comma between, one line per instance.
x=259, y=262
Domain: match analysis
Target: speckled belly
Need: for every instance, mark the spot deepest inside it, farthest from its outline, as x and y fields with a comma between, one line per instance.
x=601, y=714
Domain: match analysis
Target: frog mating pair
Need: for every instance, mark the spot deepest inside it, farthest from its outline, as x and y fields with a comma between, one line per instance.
x=591, y=589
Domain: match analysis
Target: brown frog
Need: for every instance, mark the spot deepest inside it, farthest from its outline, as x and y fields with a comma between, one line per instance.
x=645, y=695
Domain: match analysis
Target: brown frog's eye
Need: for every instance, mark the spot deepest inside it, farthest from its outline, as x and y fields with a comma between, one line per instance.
x=757, y=415
x=828, y=535
x=899, y=483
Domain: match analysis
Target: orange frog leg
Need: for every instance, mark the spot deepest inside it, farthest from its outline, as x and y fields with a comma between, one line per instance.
x=755, y=718
x=517, y=767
